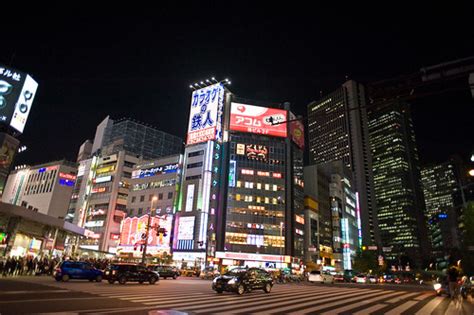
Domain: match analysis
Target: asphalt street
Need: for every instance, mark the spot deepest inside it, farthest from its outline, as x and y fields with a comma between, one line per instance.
x=43, y=295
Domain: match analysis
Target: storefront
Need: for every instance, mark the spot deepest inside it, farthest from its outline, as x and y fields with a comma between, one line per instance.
x=28, y=233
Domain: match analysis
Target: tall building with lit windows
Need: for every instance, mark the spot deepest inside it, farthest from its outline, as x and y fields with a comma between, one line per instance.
x=338, y=130
x=242, y=197
x=397, y=183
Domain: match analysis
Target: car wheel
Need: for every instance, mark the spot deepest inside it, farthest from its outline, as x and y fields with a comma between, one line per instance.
x=164, y=278
x=152, y=280
x=65, y=278
x=174, y=277
x=98, y=278
x=219, y=291
x=240, y=289
x=141, y=281
x=111, y=281
x=90, y=280
x=267, y=288
x=122, y=280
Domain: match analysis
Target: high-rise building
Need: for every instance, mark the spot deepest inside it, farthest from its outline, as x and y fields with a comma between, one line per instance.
x=242, y=192
x=439, y=186
x=338, y=130
x=44, y=188
x=340, y=236
x=138, y=138
x=397, y=183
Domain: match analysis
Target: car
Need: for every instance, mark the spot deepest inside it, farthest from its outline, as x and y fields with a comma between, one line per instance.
x=360, y=278
x=320, y=276
x=123, y=273
x=241, y=280
x=189, y=272
x=69, y=269
x=165, y=271
x=373, y=279
x=209, y=273
x=339, y=277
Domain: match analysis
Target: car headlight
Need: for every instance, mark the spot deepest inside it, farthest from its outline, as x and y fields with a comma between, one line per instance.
x=232, y=281
x=437, y=286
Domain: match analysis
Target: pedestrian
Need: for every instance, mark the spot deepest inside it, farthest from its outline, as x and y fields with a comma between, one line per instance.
x=453, y=274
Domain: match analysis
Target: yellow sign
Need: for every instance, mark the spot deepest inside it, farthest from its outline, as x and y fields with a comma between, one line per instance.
x=105, y=169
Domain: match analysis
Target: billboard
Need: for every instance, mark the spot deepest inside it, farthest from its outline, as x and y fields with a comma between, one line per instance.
x=255, y=119
x=297, y=131
x=158, y=170
x=133, y=232
x=17, y=91
x=205, y=118
x=186, y=228
x=256, y=152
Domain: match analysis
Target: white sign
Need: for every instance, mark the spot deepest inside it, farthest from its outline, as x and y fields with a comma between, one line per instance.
x=103, y=179
x=186, y=228
x=23, y=106
x=206, y=114
x=94, y=223
x=258, y=257
x=188, y=256
x=189, y=198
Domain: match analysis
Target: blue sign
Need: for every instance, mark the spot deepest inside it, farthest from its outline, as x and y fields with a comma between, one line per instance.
x=232, y=170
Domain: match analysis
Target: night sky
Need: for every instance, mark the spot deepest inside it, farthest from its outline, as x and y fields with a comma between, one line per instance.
x=140, y=66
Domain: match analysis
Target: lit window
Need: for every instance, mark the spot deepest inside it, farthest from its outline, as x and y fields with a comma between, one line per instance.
x=267, y=200
x=259, y=186
x=274, y=187
x=237, y=197
x=267, y=186
x=259, y=199
x=239, y=183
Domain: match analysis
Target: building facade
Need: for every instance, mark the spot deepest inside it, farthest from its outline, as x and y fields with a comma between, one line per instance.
x=397, y=184
x=338, y=130
x=242, y=191
x=154, y=185
x=44, y=188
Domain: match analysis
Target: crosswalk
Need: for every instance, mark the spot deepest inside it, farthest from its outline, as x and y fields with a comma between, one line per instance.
x=197, y=297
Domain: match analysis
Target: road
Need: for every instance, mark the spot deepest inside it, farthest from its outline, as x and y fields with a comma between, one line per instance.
x=42, y=295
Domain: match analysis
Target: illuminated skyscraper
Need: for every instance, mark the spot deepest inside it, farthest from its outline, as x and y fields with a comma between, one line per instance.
x=397, y=183
x=337, y=130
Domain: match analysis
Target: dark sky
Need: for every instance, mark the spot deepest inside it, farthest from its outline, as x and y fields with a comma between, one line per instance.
x=92, y=65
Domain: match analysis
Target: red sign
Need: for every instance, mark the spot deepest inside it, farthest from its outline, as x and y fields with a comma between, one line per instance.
x=297, y=131
x=67, y=176
x=98, y=190
x=255, y=119
x=256, y=152
x=114, y=236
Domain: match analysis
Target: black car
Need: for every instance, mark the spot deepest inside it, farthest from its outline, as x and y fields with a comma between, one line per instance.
x=165, y=271
x=241, y=280
x=130, y=272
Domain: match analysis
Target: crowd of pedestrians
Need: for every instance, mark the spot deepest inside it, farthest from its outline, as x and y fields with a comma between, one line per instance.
x=28, y=266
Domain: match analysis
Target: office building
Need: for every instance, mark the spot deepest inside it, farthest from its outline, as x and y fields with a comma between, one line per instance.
x=242, y=192
x=397, y=184
x=311, y=229
x=338, y=130
x=44, y=188
x=439, y=187
x=154, y=185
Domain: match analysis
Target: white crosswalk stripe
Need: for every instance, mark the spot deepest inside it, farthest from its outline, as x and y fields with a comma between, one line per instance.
x=197, y=297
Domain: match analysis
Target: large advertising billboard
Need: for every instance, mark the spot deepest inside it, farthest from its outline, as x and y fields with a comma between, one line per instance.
x=17, y=91
x=205, y=118
x=255, y=119
x=157, y=170
x=297, y=131
x=133, y=234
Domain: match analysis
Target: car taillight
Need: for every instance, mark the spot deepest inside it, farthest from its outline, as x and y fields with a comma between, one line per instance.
x=114, y=272
x=58, y=270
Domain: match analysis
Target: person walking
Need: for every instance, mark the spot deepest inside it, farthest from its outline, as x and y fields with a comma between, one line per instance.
x=453, y=274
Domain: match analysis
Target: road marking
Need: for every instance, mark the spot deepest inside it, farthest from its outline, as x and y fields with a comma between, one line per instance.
x=36, y=292
x=371, y=309
x=403, y=297
x=400, y=309
x=58, y=299
x=363, y=302
x=430, y=307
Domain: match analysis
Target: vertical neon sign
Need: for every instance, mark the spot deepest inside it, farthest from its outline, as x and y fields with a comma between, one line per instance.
x=359, y=225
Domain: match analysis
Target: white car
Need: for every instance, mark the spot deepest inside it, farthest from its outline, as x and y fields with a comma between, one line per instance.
x=320, y=277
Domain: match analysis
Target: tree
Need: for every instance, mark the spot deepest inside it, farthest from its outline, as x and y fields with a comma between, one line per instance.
x=366, y=260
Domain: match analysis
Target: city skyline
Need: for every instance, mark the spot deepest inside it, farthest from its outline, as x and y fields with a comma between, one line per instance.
x=86, y=71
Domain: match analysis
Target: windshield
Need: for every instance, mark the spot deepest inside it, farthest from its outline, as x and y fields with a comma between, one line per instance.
x=235, y=272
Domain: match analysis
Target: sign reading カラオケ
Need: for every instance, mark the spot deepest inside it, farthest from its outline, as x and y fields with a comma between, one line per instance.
x=205, y=119
x=255, y=119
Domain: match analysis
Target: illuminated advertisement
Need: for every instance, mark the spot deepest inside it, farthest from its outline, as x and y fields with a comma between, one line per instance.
x=186, y=228
x=133, y=233
x=255, y=119
x=206, y=114
x=189, y=198
x=297, y=131
x=232, y=170
x=240, y=149
x=105, y=169
x=94, y=223
x=256, y=152
x=97, y=190
x=67, y=176
x=103, y=179
x=158, y=170
x=17, y=91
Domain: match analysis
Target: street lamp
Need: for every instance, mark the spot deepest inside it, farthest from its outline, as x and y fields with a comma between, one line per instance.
x=155, y=198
